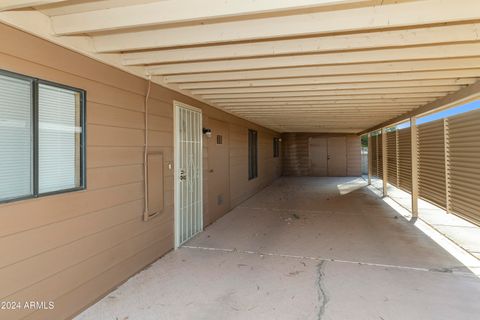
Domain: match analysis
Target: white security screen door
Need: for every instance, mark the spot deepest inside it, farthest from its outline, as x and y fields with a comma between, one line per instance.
x=188, y=173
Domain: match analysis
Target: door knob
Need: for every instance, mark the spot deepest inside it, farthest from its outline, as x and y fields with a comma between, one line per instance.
x=211, y=170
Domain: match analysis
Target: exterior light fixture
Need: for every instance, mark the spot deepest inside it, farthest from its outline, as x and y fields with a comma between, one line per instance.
x=207, y=132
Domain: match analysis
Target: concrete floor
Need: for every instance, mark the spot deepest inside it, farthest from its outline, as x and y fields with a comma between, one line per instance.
x=303, y=248
x=463, y=233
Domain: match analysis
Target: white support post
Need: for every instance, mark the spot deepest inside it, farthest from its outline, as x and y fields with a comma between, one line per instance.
x=414, y=144
x=384, y=162
x=369, y=158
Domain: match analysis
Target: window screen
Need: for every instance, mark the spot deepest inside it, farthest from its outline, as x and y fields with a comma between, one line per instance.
x=41, y=137
x=252, y=154
x=16, y=145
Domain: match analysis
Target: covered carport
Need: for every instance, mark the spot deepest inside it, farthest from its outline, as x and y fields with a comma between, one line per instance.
x=216, y=170
x=303, y=248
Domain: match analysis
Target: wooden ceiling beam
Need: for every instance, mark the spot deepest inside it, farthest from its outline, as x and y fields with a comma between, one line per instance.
x=427, y=84
x=368, y=40
x=380, y=17
x=321, y=107
x=20, y=4
x=383, y=97
x=331, y=111
x=331, y=70
x=365, y=102
x=341, y=79
x=465, y=95
x=444, y=51
x=440, y=90
x=175, y=12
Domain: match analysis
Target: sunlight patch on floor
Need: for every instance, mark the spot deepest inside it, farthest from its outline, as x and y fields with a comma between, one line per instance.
x=350, y=186
x=461, y=254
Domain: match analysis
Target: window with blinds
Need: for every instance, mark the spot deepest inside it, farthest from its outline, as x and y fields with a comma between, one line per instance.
x=16, y=138
x=41, y=137
x=252, y=154
x=276, y=147
x=59, y=133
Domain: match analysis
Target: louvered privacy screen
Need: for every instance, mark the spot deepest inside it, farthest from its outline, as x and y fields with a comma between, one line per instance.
x=380, y=156
x=431, y=162
x=374, y=156
x=392, y=159
x=405, y=159
x=463, y=154
x=448, y=162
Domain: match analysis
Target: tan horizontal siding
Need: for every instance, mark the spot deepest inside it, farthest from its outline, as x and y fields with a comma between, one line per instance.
x=113, y=156
x=75, y=247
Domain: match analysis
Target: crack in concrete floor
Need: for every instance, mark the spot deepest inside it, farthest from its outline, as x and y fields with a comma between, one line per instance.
x=322, y=292
x=451, y=270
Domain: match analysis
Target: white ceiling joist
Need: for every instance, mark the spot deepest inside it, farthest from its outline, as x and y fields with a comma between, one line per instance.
x=19, y=4
x=435, y=91
x=318, y=105
x=351, y=112
x=350, y=69
x=424, y=12
x=445, y=51
x=365, y=78
x=387, y=103
x=368, y=40
x=321, y=105
x=385, y=97
x=172, y=12
x=326, y=110
x=300, y=116
x=438, y=83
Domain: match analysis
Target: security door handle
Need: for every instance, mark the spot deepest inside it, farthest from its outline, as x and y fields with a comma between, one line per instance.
x=183, y=175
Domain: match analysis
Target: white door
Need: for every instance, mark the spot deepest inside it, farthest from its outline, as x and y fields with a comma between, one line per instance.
x=188, y=173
